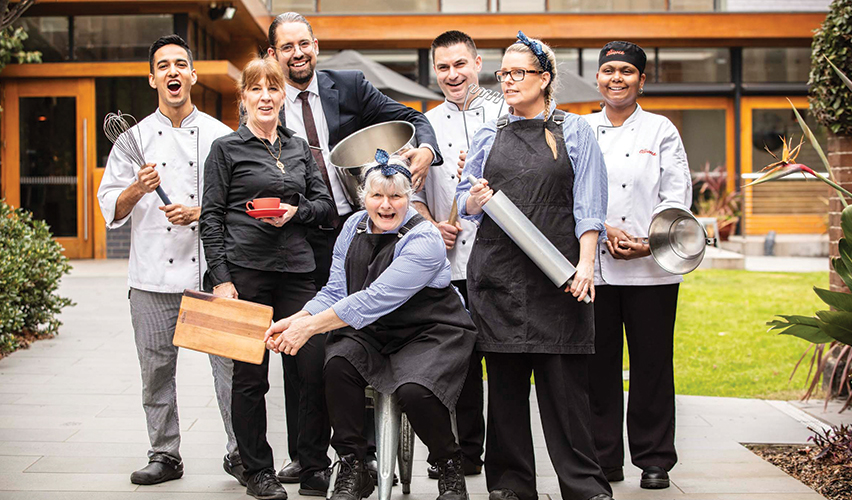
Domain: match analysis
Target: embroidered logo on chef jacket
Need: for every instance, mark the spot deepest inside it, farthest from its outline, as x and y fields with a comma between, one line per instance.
x=648, y=151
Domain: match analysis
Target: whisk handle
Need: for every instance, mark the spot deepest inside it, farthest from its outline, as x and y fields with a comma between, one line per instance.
x=163, y=196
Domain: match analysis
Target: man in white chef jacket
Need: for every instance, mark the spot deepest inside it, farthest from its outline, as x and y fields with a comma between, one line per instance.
x=457, y=65
x=165, y=251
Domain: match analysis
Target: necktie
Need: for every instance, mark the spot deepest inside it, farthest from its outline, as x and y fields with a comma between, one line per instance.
x=313, y=140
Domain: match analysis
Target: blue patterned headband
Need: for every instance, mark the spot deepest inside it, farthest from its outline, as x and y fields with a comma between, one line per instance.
x=388, y=170
x=537, y=50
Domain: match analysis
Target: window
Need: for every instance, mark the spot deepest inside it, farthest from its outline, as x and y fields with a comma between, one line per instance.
x=118, y=38
x=788, y=64
x=590, y=63
x=48, y=35
x=129, y=95
x=708, y=65
x=378, y=6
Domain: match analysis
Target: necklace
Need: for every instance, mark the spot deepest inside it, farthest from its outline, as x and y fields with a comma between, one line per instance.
x=276, y=158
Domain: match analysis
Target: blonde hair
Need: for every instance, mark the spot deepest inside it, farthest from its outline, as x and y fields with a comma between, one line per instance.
x=550, y=90
x=257, y=69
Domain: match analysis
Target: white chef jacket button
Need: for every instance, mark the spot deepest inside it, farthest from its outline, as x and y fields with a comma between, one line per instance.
x=464, y=241
x=628, y=154
x=624, y=219
x=190, y=164
x=451, y=144
x=192, y=132
x=164, y=164
x=171, y=261
x=192, y=197
x=452, y=177
x=160, y=132
x=603, y=252
x=193, y=259
x=603, y=131
x=477, y=113
x=448, y=117
x=169, y=228
x=623, y=185
x=193, y=228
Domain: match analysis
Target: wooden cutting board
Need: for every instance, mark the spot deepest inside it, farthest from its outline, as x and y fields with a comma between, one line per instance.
x=226, y=327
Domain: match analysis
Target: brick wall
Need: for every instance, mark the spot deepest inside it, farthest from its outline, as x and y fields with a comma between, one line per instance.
x=840, y=158
x=118, y=242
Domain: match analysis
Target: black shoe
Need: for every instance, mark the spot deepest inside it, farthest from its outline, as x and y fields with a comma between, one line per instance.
x=614, y=474
x=264, y=485
x=654, y=478
x=470, y=469
x=451, y=485
x=160, y=468
x=316, y=485
x=502, y=495
x=602, y=496
x=290, y=472
x=353, y=480
x=235, y=468
x=373, y=468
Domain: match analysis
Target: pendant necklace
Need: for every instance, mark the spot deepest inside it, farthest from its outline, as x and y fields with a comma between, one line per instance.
x=276, y=158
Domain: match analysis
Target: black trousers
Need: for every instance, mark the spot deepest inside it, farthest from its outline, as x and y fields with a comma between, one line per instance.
x=344, y=392
x=647, y=315
x=287, y=293
x=561, y=385
x=469, y=419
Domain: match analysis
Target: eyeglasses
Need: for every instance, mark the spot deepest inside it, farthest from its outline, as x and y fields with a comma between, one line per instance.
x=306, y=46
x=517, y=75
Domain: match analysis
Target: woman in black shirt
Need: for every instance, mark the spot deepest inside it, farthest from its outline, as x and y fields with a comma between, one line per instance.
x=269, y=261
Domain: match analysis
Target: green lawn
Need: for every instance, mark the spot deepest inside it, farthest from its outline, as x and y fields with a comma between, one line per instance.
x=722, y=347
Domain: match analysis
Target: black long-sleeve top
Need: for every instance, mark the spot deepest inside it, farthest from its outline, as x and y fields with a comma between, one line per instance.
x=240, y=168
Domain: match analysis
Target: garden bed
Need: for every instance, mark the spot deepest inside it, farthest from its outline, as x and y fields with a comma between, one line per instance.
x=834, y=482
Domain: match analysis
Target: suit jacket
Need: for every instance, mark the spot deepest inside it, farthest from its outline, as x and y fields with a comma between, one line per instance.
x=351, y=103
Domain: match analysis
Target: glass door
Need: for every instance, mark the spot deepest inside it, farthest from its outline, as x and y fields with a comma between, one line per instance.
x=48, y=159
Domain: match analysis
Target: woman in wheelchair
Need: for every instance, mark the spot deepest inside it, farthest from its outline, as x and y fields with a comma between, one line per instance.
x=397, y=324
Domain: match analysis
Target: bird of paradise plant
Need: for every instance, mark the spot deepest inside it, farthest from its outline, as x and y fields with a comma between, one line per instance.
x=831, y=329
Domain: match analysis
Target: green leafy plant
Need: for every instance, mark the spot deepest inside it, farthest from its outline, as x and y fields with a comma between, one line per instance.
x=31, y=265
x=829, y=330
x=832, y=42
x=713, y=198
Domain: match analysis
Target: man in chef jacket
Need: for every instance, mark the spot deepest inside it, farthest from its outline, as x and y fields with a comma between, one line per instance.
x=165, y=251
x=457, y=66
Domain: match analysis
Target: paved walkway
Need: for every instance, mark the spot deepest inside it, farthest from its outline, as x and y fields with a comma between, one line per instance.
x=72, y=426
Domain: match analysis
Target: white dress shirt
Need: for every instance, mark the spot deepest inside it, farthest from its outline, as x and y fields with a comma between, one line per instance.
x=440, y=186
x=647, y=171
x=163, y=257
x=293, y=114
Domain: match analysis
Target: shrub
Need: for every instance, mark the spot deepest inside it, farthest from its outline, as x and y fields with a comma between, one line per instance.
x=830, y=103
x=31, y=265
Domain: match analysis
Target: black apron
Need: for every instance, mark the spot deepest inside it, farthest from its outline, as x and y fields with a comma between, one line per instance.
x=514, y=305
x=428, y=340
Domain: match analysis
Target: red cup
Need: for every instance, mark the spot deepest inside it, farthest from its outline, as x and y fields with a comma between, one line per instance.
x=262, y=203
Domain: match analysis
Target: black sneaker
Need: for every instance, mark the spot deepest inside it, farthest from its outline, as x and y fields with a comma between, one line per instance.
x=451, y=485
x=316, y=485
x=264, y=485
x=290, y=473
x=353, y=480
x=160, y=468
x=504, y=494
x=235, y=468
x=470, y=469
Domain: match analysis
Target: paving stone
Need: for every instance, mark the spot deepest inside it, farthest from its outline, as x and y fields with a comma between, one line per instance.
x=9, y=464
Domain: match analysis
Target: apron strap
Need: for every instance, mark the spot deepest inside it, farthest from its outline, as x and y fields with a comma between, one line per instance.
x=362, y=224
x=503, y=121
x=559, y=116
x=408, y=226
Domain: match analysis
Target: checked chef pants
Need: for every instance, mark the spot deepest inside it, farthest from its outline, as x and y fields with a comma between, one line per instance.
x=154, y=316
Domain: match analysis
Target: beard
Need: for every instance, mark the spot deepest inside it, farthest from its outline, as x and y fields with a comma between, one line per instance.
x=302, y=75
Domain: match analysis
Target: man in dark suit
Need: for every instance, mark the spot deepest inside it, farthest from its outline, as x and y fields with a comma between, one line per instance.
x=324, y=107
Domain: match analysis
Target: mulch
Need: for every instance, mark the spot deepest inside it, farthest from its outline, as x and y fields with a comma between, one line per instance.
x=832, y=481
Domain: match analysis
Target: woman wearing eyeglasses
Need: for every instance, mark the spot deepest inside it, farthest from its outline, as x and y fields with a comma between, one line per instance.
x=549, y=164
x=647, y=171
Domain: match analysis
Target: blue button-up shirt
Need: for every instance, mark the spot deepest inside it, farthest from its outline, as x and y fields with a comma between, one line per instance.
x=590, y=182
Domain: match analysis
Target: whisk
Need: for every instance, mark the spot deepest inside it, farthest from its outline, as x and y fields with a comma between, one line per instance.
x=473, y=93
x=128, y=139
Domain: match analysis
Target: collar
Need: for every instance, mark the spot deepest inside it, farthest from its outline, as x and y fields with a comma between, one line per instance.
x=246, y=135
x=451, y=106
x=292, y=93
x=187, y=121
x=630, y=119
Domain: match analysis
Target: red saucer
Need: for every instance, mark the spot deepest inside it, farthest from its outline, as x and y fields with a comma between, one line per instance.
x=266, y=212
